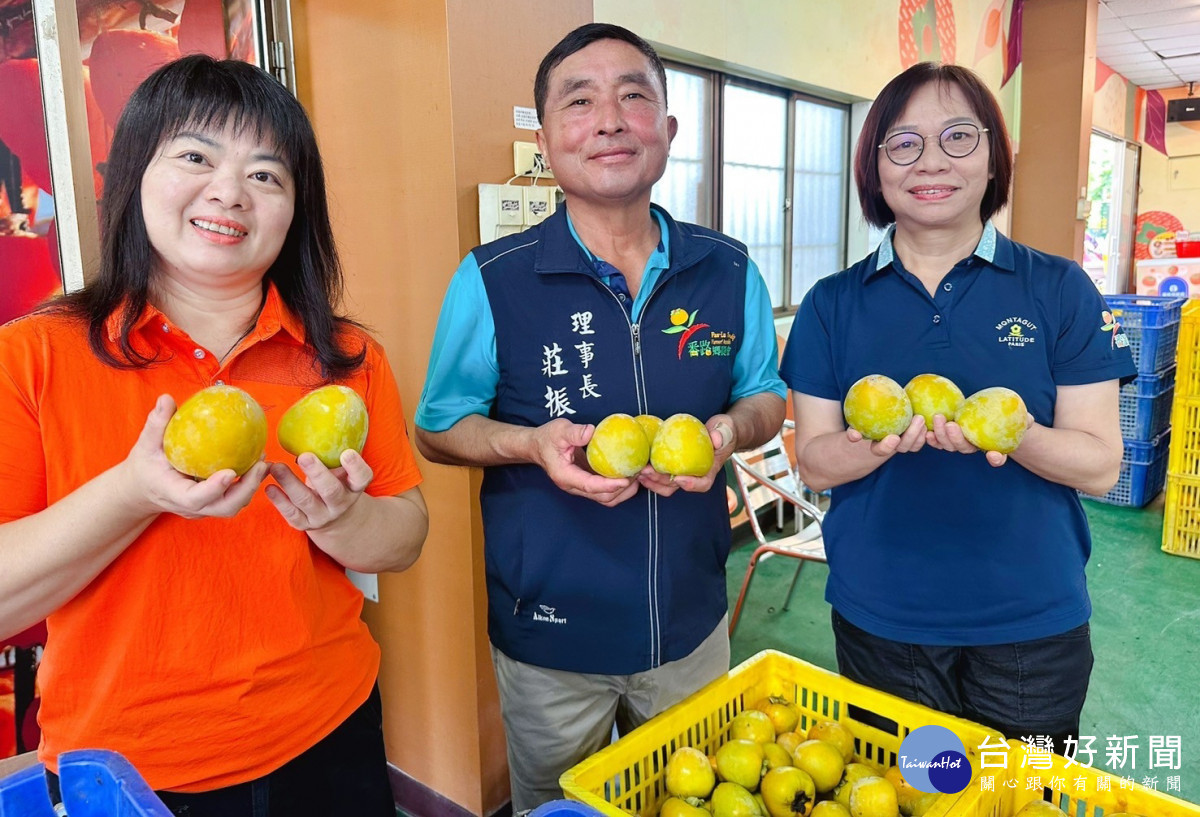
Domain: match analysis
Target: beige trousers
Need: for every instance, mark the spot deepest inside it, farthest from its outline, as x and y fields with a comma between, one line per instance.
x=555, y=719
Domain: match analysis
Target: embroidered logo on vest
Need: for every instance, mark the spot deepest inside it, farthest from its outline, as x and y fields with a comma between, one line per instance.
x=684, y=324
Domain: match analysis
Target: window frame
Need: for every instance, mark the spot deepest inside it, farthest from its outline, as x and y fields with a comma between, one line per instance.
x=718, y=81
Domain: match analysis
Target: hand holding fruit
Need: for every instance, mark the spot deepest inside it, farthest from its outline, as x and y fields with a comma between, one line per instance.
x=156, y=486
x=326, y=430
x=877, y=408
x=993, y=420
x=931, y=408
x=559, y=447
x=691, y=452
x=324, y=496
x=664, y=455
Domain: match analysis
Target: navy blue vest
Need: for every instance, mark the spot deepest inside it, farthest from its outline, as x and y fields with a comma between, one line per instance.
x=573, y=585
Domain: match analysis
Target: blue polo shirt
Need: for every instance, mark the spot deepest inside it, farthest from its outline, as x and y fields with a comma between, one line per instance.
x=463, y=372
x=937, y=547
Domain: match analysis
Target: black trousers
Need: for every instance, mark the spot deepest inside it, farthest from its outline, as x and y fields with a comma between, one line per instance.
x=1025, y=689
x=344, y=774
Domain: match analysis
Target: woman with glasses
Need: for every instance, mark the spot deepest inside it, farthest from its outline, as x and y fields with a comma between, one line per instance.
x=957, y=576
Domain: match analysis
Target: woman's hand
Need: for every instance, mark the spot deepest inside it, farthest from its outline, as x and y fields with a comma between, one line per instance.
x=324, y=495
x=913, y=439
x=948, y=436
x=153, y=486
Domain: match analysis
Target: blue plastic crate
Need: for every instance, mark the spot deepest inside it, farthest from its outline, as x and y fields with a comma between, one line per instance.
x=564, y=808
x=1143, y=473
x=1152, y=325
x=94, y=783
x=24, y=794
x=1146, y=405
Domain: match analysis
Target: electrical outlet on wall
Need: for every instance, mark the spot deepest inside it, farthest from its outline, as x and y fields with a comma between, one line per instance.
x=528, y=161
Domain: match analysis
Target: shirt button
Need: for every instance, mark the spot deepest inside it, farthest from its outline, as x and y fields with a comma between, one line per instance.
x=937, y=318
x=947, y=286
x=220, y=382
x=166, y=328
x=622, y=296
x=199, y=354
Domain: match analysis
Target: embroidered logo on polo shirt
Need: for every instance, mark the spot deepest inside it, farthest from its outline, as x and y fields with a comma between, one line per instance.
x=718, y=344
x=1111, y=324
x=1017, y=332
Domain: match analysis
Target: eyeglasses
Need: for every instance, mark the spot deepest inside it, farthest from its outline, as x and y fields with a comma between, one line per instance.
x=956, y=141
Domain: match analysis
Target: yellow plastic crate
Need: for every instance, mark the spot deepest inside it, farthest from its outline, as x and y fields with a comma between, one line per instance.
x=1187, y=371
x=1183, y=457
x=1181, y=516
x=1080, y=791
x=629, y=776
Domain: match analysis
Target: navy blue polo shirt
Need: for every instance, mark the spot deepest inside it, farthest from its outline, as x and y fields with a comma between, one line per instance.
x=937, y=547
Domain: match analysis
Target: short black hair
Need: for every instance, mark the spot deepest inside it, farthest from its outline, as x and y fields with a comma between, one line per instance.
x=580, y=39
x=198, y=91
x=888, y=107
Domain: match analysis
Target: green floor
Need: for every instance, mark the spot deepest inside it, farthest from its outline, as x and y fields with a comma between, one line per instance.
x=1145, y=634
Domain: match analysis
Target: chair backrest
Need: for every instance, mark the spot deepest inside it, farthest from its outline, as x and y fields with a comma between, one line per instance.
x=765, y=476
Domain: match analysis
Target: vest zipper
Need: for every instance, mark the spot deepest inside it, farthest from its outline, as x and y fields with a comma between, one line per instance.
x=654, y=554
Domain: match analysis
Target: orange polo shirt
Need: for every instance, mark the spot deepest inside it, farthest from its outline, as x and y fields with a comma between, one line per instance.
x=212, y=651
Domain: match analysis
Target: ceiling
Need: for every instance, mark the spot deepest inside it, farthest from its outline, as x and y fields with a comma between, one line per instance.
x=1152, y=43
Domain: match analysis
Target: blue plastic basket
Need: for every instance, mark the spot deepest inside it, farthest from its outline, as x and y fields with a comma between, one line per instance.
x=1146, y=405
x=1152, y=325
x=24, y=794
x=1143, y=473
x=94, y=783
x=564, y=808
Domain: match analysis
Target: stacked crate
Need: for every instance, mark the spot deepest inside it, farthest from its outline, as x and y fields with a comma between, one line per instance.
x=1152, y=326
x=1181, y=516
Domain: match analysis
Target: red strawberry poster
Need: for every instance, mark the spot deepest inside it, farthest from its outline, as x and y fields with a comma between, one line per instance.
x=122, y=42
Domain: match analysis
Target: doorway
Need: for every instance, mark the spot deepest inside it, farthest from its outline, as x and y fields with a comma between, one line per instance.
x=1112, y=190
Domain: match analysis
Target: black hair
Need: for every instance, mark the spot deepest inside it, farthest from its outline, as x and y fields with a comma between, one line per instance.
x=198, y=91
x=888, y=107
x=580, y=39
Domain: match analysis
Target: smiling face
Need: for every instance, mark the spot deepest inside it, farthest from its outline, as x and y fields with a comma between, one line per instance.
x=937, y=191
x=605, y=132
x=217, y=206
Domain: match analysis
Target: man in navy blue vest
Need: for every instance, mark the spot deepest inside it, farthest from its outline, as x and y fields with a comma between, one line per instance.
x=606, y=597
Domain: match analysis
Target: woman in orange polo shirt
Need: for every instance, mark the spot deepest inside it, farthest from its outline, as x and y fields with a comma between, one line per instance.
x=206, y=630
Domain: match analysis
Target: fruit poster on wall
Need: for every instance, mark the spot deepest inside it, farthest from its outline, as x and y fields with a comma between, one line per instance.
x=121, y=44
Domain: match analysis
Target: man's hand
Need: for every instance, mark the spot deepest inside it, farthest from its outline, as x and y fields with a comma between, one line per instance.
x=559, y=450
x=722, y=433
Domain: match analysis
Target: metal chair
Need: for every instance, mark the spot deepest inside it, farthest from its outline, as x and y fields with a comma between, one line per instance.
x=765, y=476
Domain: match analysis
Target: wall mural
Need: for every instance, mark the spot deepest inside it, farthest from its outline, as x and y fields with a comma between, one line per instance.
x=926, y=32
x=1110, y=101
x=991, y=32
